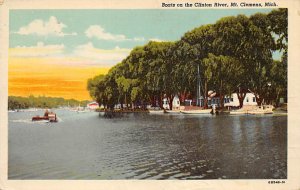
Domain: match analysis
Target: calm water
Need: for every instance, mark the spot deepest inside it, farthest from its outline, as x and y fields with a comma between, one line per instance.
x=142, y=146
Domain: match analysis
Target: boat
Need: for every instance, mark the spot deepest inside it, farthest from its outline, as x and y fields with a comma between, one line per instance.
x=79, y=109
x=198, y=109
x=265, y=109
x=156, y=111
x=173, y=111
x=49, y=117
x=82, y=110
x=202, y=111
x=238, y=112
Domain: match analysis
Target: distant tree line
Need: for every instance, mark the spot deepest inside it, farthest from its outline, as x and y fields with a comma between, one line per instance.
x=17, y=102
x=234, y=55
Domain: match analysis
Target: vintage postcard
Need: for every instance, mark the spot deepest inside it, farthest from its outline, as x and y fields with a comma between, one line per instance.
x=151, y=95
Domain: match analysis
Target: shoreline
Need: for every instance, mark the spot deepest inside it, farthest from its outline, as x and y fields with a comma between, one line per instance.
x=276, y=111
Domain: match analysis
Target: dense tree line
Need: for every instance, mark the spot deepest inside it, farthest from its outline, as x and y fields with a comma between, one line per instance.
x=17, y=102
x=233, y=55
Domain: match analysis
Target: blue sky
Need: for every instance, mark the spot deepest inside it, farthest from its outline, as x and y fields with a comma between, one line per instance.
x=106, y=36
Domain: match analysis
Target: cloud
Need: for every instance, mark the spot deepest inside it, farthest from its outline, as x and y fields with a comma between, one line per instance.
x=98, y=32
x=95, y=55
x=83, y=55
x=40, y=50
x=44, y=28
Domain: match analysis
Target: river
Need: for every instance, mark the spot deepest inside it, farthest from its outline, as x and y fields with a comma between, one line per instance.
x=144, y=146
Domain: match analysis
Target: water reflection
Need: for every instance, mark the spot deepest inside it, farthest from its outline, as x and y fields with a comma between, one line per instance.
x=141, y=146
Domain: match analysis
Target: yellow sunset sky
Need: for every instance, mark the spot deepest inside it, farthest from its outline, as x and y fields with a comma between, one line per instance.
x=47, y=70
x=48, y=77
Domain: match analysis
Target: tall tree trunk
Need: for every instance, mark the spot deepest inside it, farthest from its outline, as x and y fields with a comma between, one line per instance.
x=160, y=101
x=121, y=104
x=171, y=97
x=152, y=100
x=259, y=100
x=182, y=96
x=221, y=95
x=205, y=95
x=221, y=101
x=241, y=97
x=277, y=99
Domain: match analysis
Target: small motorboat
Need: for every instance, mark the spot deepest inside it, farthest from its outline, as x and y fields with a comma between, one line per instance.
x=50, y=117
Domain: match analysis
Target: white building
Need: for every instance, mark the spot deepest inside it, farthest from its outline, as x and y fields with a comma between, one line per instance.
x=166, y=105
x=176, y=103
x=233, y=101
x=92, y=105
x=229, y=101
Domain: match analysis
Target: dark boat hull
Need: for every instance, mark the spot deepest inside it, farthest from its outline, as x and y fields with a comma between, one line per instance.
x=44, y=118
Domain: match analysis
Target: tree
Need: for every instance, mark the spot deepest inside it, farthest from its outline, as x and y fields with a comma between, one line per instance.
x=92, y=84
x=278, y=82
x=249, y=41
x=193, y=47
x=233, y=55
x=222, y=72
x=278, y=26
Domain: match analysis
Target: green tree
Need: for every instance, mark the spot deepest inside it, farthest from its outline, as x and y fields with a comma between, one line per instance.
x=222, y=72
x=234, y=55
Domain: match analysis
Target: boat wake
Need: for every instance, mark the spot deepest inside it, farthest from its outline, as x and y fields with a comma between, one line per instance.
x=28, y=121
x=59, y=119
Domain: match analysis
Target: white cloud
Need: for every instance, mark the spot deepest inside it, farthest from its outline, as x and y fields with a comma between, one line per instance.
x=84, y=55
x=99, y=33
x=39, y=50
x=103, y=56
x=45, y=28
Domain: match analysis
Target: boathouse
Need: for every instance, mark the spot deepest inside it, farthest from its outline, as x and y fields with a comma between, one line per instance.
x=233, y=100
x=92, y=105
x=176, y=103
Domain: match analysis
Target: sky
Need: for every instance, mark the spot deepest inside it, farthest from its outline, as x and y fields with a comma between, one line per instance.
x=54, y=52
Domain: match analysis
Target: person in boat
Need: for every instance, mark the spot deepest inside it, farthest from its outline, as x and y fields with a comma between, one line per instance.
x=46, y=113
x=52, y=114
